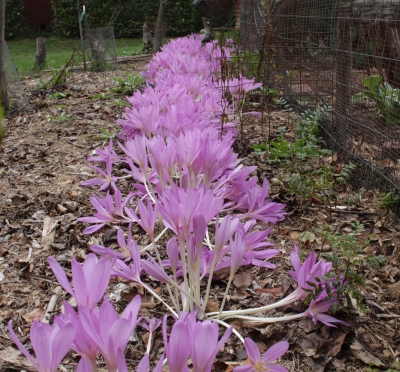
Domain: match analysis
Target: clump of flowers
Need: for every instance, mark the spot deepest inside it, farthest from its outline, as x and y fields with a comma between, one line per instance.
x=186, y=182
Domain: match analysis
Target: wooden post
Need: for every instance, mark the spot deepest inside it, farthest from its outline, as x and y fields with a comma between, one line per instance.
x=40, y=58
x=343, y=73
x=157, y=44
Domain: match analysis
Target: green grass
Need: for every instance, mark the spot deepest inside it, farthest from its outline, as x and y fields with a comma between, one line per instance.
x=59, y=51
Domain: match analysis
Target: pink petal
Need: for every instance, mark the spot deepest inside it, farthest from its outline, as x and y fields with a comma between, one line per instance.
x=20, y=346
x=275, y=352
x=252, y=350
x=91, y=229
x=60, y=343
x=59, y=273
x=144, y=364
x=248, y=368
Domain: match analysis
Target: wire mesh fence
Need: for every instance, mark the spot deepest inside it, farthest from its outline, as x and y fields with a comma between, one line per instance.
x=100, y=46
x=16, y=95
x=340, y=54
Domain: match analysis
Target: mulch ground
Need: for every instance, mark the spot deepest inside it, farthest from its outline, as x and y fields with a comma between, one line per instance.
x=42, y=163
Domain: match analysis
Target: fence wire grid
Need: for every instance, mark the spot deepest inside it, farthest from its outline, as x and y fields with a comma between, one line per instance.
x=341, y=54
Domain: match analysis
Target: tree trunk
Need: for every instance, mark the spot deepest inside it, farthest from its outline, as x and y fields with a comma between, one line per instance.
x=3, y=88
x=40, y=53
x=158, y=34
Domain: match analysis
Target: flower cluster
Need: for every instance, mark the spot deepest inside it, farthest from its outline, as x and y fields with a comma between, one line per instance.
x=186, y=182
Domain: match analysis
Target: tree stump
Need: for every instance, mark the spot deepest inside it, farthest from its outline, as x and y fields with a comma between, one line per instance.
x=40, y=58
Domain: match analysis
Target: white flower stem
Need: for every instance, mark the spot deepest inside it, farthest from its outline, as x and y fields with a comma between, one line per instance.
x=285, y=301
x=225, y=294
x=227, y=326
x=268, y=320
x=214, y=261
x=155, y=240
x=155, y=295
x=149, y=342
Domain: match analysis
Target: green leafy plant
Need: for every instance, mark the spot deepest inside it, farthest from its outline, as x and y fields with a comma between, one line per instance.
x=356, y=198
x=283, y=104
x=349, y=262
x=390, y=200
x=62, y=117
x=386, y=97
x=128, y=84
x=15, y=20
x=121, y=103
x=307, y=126
x=126, y=16
x=105, y=135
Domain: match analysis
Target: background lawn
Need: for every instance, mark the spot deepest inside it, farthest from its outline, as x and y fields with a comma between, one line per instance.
x=59, y=51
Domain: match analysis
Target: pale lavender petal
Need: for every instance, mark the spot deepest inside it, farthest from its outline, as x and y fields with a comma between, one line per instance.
x=173, y=253
x=328, y=320
x=99, y=280
x=59, y=273
x=178, y=347
x=159, y=365
x=155, y=271
x=89, y=219
x=252, y=350
x=275, y=351
x=131, y=311
x=144, y=364
x=248, y=368
x=93, y=182
x=121, y=361
x=82, y=292
x=119, y=336
x=99, y=249
x=83, y=365
x=91, y=229
x=60, y=343
x=21, y=347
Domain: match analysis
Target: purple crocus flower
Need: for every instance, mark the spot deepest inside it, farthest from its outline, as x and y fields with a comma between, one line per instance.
x=148, y=217
x=109, y=333
x=306, y=272
x=134, y=270
x=204, y=344
x=136, y=150
x=317, y=309
x=259, y=363
x=145, y=363
x=177, y=346
x=178, y=207
x=105, y=209
x=259, y=208
x=82, y=342
x=108, y=179
x=50, y=343
x=90, y=279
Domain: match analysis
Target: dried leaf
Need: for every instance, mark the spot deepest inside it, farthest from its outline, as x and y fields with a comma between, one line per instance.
x=312, y=343
x=337, y=345
x=36, y=314
x=242, y=280
x=49, y=231
x=274, y=291
x=16, y=359
x=308, y=325
x=212, y=306
x=363, y=354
